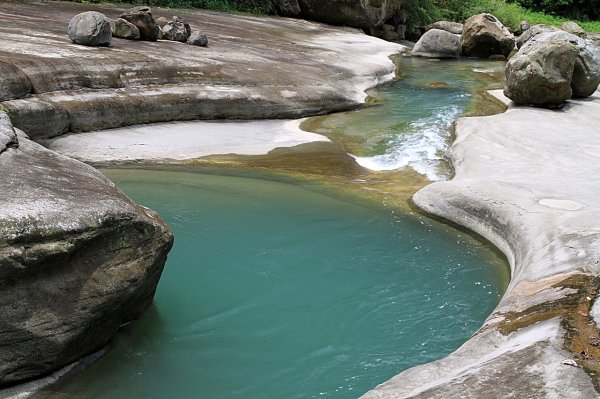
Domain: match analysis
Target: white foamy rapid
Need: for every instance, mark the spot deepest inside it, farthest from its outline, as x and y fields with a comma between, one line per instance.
x=421, y=147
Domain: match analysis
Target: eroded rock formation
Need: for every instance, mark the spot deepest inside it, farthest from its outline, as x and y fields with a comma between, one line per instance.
x=77, y=258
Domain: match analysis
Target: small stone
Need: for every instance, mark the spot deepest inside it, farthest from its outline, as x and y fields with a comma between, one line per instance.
x=197, y=38
x=570, y=362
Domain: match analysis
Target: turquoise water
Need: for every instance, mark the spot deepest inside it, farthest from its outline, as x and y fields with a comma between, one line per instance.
x=409, y=123
x=280, y=290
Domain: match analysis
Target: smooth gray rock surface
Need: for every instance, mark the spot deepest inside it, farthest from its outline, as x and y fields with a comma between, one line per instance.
x=528, y=181
x=76, y=88
x=90, y=28
x=534, y=31
x=452, y=27
x=77, y=259
x=126, y=30
x=437, y=43
x=485, y=36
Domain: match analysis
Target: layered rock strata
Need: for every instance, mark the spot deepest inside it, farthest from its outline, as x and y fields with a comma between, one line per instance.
x=77, y=258
x=50, y=86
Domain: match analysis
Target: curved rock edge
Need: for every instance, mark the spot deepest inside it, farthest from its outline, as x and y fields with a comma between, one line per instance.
x=527, y=181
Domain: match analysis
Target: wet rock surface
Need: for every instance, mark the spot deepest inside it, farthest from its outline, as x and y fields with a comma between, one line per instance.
x=77, y=258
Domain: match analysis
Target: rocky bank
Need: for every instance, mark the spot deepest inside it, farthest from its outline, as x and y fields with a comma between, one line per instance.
x=253, y=68
x=526, y=180
x=77, y=258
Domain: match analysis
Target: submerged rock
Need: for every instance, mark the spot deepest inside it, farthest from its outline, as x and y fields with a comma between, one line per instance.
x=437, y=43
x=485, y=36
x=362, y=14
x=77, y=258
x=142, y=18
x=90, y=28
x=126, y=30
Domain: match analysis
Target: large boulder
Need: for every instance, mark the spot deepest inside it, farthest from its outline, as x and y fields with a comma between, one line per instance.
x=142, y=18
x=126, y=30
x=363, y=14
x=77, y=258
x=90, y=28
x=573, y=28
x=452, y=27
x=485, y=36
x=437, y=43
x=586, y=70
x=176, y=30
x=540, y=73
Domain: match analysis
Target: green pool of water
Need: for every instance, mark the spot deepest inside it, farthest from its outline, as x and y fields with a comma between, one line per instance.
x=409, y=120
x=279, y=290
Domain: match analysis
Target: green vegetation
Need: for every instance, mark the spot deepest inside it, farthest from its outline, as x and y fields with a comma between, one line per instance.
x=251, y=6
x=511, y=14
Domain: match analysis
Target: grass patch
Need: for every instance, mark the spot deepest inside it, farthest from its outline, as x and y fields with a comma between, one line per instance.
x=510, y=14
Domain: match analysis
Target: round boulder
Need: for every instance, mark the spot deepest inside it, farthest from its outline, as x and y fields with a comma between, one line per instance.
x=197, y=38
x=142, y=18
x=540, y=73
x=573, y=28
x=90, y=28
x=437, y=43
x=161, y=21
x=126, y=30
x=484, y=36
x=452, y=27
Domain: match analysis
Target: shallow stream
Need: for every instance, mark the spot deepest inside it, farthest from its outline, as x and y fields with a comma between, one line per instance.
x=283, y=288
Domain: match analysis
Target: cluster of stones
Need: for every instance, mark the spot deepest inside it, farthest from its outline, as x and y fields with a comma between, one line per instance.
x=92, y=28
x=481, y=36
x=551, y=65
